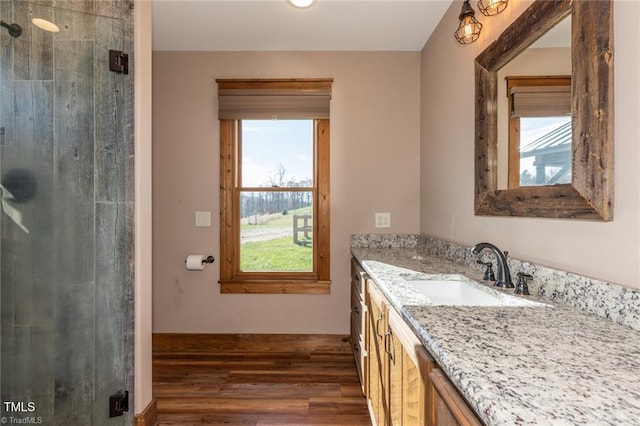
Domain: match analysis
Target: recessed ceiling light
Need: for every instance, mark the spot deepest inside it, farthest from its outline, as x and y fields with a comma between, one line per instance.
x=302, y=3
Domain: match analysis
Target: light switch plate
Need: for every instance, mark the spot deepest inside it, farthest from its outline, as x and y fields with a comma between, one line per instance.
x=203, y=219
x=383, y=220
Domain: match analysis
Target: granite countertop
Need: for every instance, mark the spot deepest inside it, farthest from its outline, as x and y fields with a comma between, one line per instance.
x=554, y=365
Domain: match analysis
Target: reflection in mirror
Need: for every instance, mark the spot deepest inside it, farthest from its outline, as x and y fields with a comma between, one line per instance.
x=534, y=113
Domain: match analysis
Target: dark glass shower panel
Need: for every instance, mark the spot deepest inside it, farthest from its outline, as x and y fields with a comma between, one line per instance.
x=66, y=252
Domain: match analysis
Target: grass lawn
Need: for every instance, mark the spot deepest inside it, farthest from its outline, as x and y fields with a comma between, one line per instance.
x=279, y=254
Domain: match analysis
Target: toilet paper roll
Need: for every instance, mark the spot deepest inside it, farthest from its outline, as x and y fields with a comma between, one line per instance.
x=194, y=262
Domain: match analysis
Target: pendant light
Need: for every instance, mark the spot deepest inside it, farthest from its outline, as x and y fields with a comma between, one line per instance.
x=492, y=7
x=469, y=29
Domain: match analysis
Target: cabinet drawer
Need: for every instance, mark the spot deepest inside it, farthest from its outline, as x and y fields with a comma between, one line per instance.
x=357, y=311
x=357, y=277
x=360, y=355
x=356, y=295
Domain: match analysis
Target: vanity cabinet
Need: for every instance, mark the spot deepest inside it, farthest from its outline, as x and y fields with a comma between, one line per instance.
x=399, y=367
x=359, y=322
x=402, y=382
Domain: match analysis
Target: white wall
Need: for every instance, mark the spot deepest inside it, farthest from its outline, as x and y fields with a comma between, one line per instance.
x=374, y=167
x=609, y=251
x=143, y=283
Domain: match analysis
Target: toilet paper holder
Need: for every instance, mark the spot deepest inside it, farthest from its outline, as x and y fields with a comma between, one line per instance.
x=197, y=262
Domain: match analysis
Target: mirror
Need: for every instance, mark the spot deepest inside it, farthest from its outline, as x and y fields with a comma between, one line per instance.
x=589, y=195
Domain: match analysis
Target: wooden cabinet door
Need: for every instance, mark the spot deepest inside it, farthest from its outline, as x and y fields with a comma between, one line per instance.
x=450, y=409
x=378, y=368
x=416, y=364
x=410, y=367
x=395, y=359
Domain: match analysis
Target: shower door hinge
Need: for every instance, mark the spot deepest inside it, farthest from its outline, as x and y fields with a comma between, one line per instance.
x=118, y=62
x=118, y=403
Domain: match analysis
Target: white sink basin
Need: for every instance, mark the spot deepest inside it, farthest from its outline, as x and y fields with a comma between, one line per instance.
x=463, y=293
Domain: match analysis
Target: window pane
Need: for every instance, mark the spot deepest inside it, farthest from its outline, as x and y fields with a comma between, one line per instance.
x=545, y=150
x=277, y=153
x=276, y=231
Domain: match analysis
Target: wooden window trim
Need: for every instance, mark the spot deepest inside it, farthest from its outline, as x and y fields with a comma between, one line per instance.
x=231, y=280
x=513, y=176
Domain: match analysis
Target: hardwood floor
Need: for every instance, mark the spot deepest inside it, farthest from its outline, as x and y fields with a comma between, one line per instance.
x=256, y=380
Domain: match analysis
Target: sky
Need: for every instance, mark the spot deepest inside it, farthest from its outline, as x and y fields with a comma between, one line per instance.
x=268, y=143
x=533, y=128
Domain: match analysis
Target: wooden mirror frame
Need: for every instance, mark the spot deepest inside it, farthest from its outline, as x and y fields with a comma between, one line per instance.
x=590, y=194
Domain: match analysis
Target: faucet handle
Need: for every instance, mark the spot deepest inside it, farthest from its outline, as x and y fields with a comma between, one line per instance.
x=522, y=287
x=488, y=272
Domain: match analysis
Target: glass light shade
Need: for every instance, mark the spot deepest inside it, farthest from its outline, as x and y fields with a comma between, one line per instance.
x=469, y=29
x=302, y=3
x=492, y=7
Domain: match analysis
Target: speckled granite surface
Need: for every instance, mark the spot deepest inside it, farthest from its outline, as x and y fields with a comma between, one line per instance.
x=559, y=365
x=607, y=300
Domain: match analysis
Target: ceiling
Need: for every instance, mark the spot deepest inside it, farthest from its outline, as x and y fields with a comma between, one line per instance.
x=262, y=25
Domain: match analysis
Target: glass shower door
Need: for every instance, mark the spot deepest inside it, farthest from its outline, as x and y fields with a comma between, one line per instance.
x=66, y=219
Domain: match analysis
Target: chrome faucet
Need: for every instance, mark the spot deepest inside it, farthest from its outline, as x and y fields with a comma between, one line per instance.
x=504, y=276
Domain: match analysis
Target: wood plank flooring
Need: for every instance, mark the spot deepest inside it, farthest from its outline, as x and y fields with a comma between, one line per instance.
x=256, y=380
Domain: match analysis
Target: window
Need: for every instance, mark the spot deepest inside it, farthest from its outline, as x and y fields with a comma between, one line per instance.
x=274, y=197
x=539, y=130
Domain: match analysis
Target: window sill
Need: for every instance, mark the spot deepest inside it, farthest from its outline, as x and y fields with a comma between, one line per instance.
x=275, y=287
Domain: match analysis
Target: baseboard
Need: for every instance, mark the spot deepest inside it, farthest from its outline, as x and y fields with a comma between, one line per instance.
x=254, y=342
x=148, y=417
